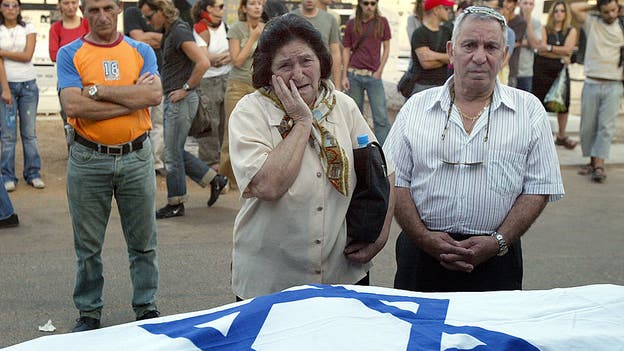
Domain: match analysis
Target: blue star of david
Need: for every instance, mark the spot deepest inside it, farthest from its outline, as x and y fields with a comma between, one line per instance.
x=426, y=331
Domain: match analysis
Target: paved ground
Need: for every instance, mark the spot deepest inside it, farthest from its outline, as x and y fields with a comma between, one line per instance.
x=576, y=241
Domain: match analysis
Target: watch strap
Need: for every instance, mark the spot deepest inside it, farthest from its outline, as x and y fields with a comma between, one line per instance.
x=502, y=244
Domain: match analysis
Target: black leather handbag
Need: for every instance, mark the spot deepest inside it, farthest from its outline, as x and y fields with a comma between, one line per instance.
x=406, y=84
x=370, y=200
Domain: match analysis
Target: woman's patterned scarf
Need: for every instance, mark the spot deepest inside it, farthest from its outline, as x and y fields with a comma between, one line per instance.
x=332, y=156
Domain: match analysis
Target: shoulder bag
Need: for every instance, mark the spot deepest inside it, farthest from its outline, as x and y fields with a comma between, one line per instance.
x=369, y=203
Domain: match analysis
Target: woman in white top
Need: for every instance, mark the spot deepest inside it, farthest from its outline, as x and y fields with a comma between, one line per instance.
x=208, y=17
x=17, y=45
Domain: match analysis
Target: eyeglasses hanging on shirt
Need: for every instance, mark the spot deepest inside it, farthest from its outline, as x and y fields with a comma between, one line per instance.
x=447, y=145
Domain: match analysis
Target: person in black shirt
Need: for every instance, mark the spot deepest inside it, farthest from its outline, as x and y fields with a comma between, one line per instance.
x=136, y=27
x=429, y=45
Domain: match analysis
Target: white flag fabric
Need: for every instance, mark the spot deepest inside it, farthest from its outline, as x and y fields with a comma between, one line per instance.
x=345, y=317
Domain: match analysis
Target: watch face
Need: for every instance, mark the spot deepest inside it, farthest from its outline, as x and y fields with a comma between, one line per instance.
x=92, y=90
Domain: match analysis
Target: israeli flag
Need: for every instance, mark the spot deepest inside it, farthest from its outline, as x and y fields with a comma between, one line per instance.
x=340, y=317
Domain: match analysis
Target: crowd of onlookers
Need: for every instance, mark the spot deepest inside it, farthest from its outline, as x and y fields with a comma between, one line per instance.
x=538, y=61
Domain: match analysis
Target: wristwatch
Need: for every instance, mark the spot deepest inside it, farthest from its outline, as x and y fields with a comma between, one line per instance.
x=93, y=90
x=502, y=244
x=186, y=87
x=549, y=47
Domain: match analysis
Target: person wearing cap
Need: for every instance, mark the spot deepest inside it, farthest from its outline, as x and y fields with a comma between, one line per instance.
x=429, y=45
x=475, y=165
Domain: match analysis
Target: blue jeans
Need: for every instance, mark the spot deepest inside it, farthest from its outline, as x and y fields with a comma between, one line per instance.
x=93, y=179
x=179, y=162
x=6, y=207
x=377, y=98
x=525, y=83
x=25, y=101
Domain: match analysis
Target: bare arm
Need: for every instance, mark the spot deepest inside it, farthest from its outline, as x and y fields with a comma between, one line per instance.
x=579, y=11
x=152, y=39
x=364, y=252
x=522, y=215
x=7, y=98
x=146, y=92
x=334, y=48
x=198, y=56
x=240, y=55
x=25, y=55
x=430, y=59
x=559, y=51
x=346, y=57
x=134, y=97
x=76, y=104
x=531, y=41
x=202, y=63
x=283, y=163
x=566, y=49
x=384, y=58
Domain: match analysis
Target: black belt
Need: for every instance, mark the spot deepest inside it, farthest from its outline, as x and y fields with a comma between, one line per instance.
x=122, y=149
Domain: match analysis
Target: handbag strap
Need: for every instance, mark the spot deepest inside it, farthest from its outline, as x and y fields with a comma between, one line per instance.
x=383, y=157
x=361, y=40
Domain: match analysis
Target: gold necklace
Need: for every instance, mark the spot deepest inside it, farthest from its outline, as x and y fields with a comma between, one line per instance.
x=472, y=119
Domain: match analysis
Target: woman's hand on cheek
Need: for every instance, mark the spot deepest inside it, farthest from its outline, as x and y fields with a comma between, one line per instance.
x=293, y=104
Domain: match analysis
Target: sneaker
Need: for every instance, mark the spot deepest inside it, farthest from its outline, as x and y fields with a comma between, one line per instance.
x=86, y=323
x=216, y=185
x=10, y=222
x=37, y=183
x=149, y=315
x=170, y=211
x=9, y=186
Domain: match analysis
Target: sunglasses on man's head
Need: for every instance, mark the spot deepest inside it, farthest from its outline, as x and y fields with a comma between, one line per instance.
x=10, y=6
x=369, y=3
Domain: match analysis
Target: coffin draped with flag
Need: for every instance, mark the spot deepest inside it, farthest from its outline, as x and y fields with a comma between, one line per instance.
x=322, y=317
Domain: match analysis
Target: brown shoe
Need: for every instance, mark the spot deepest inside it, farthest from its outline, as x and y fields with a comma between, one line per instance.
x=599, y=175
x=587, y=169
x=566, y=142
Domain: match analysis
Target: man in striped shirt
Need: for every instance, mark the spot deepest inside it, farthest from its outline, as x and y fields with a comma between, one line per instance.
x=475, y=166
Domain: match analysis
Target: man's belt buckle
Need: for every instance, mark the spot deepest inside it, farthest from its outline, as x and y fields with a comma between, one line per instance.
x=361, y=72
x=111, y=150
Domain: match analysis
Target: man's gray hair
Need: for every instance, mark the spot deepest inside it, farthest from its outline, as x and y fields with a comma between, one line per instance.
x=83, y=3
x=481, y=13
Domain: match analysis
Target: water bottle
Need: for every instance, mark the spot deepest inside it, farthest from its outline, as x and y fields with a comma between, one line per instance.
x=362, y=141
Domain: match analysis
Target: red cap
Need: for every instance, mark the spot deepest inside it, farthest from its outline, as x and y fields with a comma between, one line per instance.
x=429, y=4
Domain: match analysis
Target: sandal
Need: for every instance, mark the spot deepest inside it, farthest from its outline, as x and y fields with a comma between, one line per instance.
x=587, y=169
x=599, y=175
x=566, y=142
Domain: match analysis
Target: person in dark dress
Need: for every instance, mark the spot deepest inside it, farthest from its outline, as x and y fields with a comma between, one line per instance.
x=553, y=56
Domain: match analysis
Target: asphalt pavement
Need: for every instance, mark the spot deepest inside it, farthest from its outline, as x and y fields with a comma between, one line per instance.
x=576, y=241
